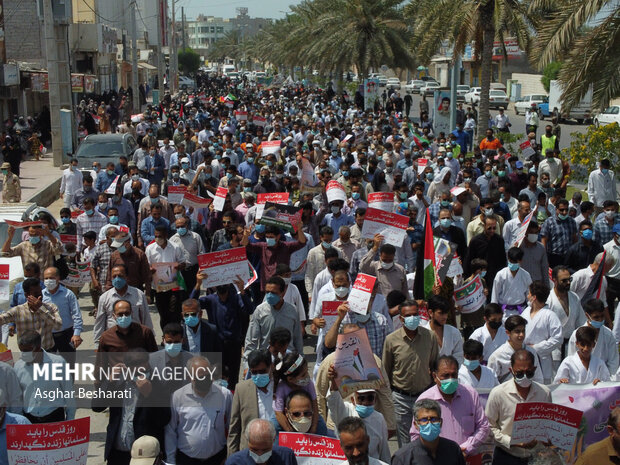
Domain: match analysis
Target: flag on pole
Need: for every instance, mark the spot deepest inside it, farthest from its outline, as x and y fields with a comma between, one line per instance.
x=425, y=266
x=594, y=288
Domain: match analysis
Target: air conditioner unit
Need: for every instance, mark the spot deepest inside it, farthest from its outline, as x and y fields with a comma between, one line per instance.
x=61, y=11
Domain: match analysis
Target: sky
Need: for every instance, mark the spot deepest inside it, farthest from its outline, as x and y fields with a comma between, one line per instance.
x=227, y=9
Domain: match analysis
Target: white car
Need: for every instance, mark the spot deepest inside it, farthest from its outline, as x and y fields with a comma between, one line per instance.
x=393, y=83
x=473, y=96
x=608, y=116
x=461, y=90
x=413, y=86
x=429, y=88
x=186, y=83
x=380, y=77
x=525, y=103
x=497, y=99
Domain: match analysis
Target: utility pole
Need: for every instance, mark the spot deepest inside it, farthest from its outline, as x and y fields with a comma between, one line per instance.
x=454, y=80
x=59, y=81
x=183, y=26
x=134, y=59
x=174, y=57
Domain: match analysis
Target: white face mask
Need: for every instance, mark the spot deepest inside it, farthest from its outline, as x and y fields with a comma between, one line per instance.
x=387, y=266
x=260, y=458
x=532, y=238
x=50, y=284
x=302, y=425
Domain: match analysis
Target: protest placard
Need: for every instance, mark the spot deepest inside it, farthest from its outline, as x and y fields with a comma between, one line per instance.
x=359, y=297
x=23, y=224
x=79, y=274
x=422, y=162
x=309, y=181
x=220, y=198
x=270, y=147
x=241, y=115
x=527, y=149
x=63, y=442
x=312, y=449
x=4, y=282
x=224, y=266
x=381, y=200
x=68, y=238
x=280, y=198
x=193, y=200
x=545, y=422
x=176, y=193
x=165, y=276
x=329, y=312
x=335, y=191
x=112, y=188
x=522, y=231
x=259, y=121
x=470, y=296
x=392, y=226
x=355, y=363
x=281, y=216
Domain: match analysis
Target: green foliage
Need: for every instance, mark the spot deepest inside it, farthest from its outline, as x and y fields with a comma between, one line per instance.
x=189, y=61
x=550, y=73
x=586, y=150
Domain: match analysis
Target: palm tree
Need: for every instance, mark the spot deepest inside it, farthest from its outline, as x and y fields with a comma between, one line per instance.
x=231, y=45
x=585, y=36
x=480, y=22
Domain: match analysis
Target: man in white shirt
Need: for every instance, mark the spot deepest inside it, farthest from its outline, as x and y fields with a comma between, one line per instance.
x=502, y=403
x=511, y=285
x=602, y=186
x=165, y=259
x=544, y=330
x=291, y=294
x=472, y=372
x=511, y=228
x=492, y=334
x=606, y=347
x=165, y=151
x=502, y=123
x=70, y=182
x=550, y=165
x=499, y=361
x=582, y=367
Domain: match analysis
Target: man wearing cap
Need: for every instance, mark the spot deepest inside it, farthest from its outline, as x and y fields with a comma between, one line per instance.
x=186, y=172
x=11, y=187
x=134, y=259
x=146, y=451
x=261, y=436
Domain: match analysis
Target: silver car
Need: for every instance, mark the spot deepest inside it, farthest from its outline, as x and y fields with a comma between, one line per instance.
x=104, y=148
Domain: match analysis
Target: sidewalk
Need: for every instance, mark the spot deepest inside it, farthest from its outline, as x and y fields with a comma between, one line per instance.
x=40, y=181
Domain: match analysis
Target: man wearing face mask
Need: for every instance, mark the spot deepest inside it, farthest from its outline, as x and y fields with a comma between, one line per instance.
x=90, y=220
x=458, y=402
x=409, y=354
x=35, y=407
x=260, y=436
x=510, y=285
x=502, y=404
x=134, y=259
x=87, y=191
x=192, y=244
x=603, y=225
x=35, y=249
x=360, y=405
x=200, y=419
x=390, y=276
x=446, y=230
x=68, y=338
x=71, y=182
x=132, y=176
x=558, y=234
x=171, y=356
x=175, y=179
x=315, y=263
x=153, y=199
x=265, y=185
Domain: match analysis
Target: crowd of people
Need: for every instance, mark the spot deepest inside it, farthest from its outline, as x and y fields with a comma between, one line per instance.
x=550, y=290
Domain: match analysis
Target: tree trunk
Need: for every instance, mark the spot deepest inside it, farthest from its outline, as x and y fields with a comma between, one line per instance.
x=486, y=67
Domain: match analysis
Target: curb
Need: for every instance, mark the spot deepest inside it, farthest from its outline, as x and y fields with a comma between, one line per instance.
x=47, y=195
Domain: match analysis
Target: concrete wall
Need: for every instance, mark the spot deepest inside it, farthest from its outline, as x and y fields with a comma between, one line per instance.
x=23, y=31
x=530, y=83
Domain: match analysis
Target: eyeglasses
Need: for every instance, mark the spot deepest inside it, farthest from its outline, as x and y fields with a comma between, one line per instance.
x=426, y=420
x=226, y=222
x=306, y=414
x=365, y=397
x=567, y=280
x=190, y=314
x=523, y=374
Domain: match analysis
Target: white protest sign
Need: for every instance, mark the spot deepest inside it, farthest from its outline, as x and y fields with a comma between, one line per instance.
x=176, y=193
x=359, y=297
x=392, y=226
x=470, y=296
x=335, y=191
x=526, y=149
x=381, y=200
x=274, y=197
x=224, y=266
x=220, y=198
x=422, y=162
x=112, y=188
x=522, y=231
x=271, y=147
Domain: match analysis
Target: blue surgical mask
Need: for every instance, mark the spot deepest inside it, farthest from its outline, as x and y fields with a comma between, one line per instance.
x=483, y=273
x=271, y=242
x=119, y=282
x=261, y=380
x=471, y=365
x=430, y=431
x=355, y=195
x=182, y=231
x=185, y=165
x=345, y=173
x=445, y=223
x=272, y=299
x=192, y=321
x=326, y=245
x=122, y=249
x=229, y=175
x=562, y=217
x=260, y=228
x=364, y=410
x=123, y=321
x=596, y=324
x=586, y=234
x=114, y=219
x=35, y=240
x=412, y=322
x=173, y=349
x=90, y=212
x=448, y=386
x=513, y=266
x=65, y=220
x=250, y=160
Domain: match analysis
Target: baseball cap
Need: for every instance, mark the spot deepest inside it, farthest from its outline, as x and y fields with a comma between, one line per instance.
x=144, y=451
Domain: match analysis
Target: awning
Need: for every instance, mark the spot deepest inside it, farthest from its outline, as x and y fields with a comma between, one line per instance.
x=146, y=66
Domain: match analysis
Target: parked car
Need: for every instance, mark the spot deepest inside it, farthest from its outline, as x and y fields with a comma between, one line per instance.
x=104, y=148
x=428, y=78
x=473, y=96
x=497, y=99
x=414, y=86
x=186, y=83
x=608, y=116
x=429, y=88
x=461, y=90
x=393, y=83
x=497, y=86
x=525, y=103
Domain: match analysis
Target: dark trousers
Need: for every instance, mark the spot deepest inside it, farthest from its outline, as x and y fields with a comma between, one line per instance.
x=168, y=305
x=189, y=275
x=63, y=345
x=301, y=286
x=613, y=294
x=231, y=359
x=501, y=457
x=56, y=415
x=216, y=459
x=119, y=457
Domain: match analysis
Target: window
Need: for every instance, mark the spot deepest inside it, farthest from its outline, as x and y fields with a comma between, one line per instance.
x=212, y=29
x=220, y=30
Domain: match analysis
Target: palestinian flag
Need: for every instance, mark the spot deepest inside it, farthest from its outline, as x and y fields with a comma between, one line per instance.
x=425, y=266
x=594, y=288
